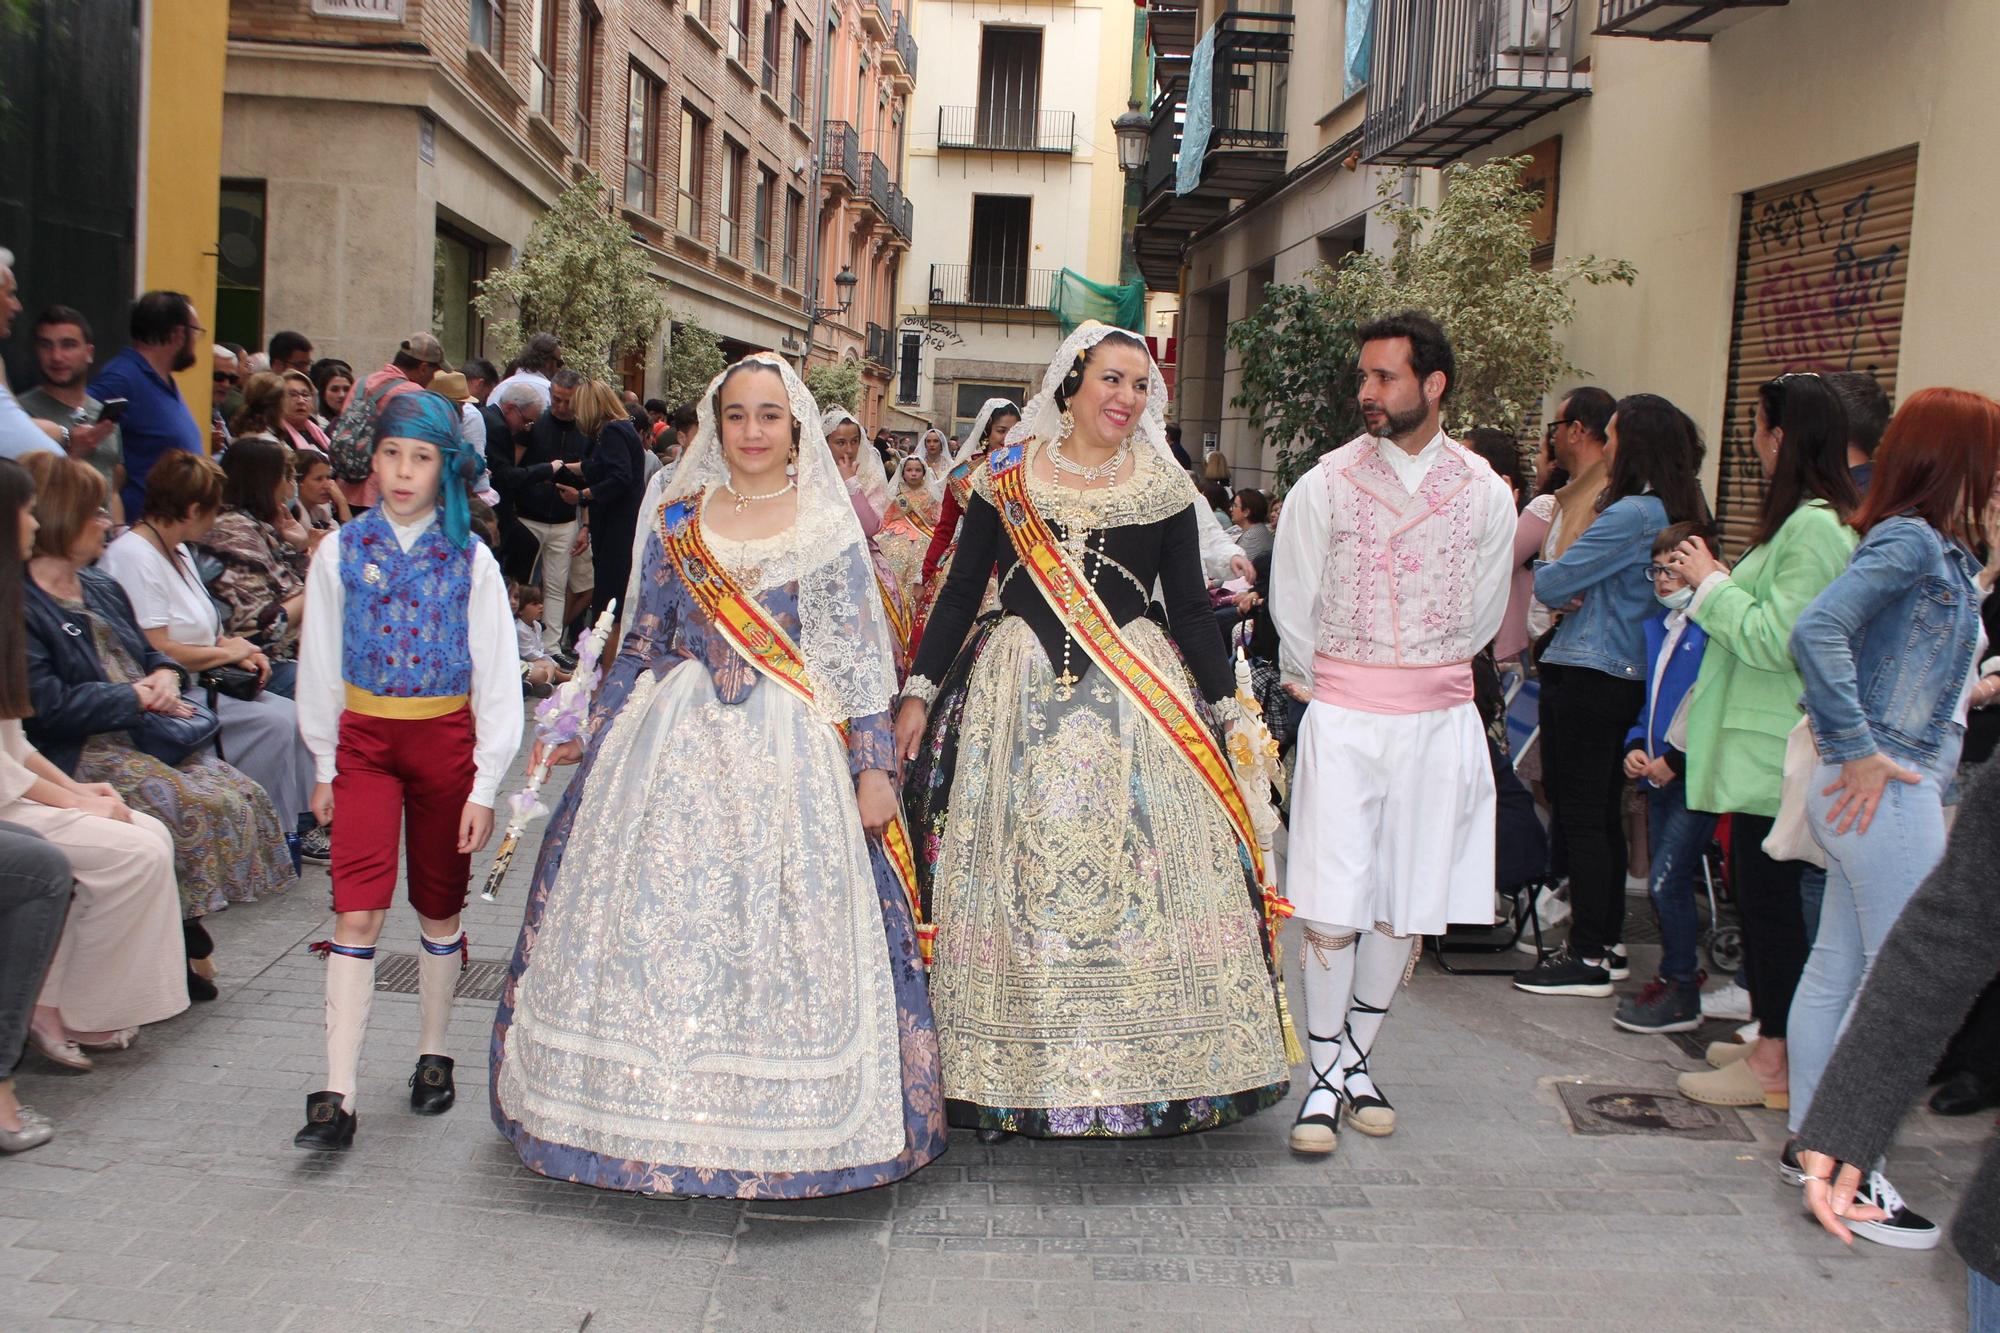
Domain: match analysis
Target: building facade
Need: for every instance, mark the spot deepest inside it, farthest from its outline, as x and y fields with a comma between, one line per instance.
x=1801, y=186
x=109, y=148
x=1013, y=169
x=381, y=156
x=865, y=219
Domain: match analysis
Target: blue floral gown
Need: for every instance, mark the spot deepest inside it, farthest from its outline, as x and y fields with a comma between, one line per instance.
x=717, y=989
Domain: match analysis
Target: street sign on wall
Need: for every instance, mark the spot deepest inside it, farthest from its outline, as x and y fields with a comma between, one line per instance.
x=379, y=11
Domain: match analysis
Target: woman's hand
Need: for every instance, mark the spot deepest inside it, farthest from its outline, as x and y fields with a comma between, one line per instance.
x=104, y=807
x=877, y=799
x=260, y=664
x=314, y=536
x=292, y=532
x=1240, y=566
x=1987, y=690
x=100, y=789
x=1860, y=787
x=1298, y=691
x=1693, y=561
x=909, y=733
x=1830, y=1195
x=566, y=753
x=239, y=650
x=475, y=826
x=1246, y=602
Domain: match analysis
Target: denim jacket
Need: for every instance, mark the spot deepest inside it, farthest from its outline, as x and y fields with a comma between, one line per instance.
x=1886, y=649
x=1606, y=566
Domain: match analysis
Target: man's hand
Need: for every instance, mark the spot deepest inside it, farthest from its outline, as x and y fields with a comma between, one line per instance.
x=1636, y=763
x=1660, y=773
x=475, y=826
x=83, y=440
x=569, y=494
x=321, y=802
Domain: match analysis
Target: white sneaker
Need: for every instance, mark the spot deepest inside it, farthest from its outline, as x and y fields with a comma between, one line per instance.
x=1638, y=886
x=1903, y=1228
x=1553, y=911
x=1749, y=1031
x=1726, y=1001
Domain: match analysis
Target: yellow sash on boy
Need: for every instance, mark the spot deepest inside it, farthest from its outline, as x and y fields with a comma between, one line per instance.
x=763, y=643
x=1076, y=605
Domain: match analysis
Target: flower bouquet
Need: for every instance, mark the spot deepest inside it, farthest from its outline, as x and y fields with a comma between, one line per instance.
x=562, y=717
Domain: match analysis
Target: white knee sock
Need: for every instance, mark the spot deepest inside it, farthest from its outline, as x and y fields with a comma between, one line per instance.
x=1380, y=963
x=438, y=966
x=350, y=988
x=1326, y=966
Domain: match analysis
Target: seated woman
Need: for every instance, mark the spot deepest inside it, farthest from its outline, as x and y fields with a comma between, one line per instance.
x=95, y=682
x=35, y=889
x=262, y=415
x=118, y=965
x=297, y=427
x=152, y=562
x=319, y=506
x=261, y=551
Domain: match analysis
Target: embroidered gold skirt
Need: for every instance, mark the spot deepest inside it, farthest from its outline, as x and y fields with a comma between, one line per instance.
x=1100, y=968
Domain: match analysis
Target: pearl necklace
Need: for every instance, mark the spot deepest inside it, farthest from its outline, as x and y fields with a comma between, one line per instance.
x=1107, y=469
x=743, y=500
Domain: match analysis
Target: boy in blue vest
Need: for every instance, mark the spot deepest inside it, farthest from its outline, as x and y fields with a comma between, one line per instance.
x=409, y=698
x=1676, y=836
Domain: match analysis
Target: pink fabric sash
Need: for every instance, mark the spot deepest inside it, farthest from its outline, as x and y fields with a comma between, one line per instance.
x=1386, y=689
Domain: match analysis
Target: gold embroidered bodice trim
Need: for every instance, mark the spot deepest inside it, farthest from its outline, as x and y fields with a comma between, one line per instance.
x=1154, y=490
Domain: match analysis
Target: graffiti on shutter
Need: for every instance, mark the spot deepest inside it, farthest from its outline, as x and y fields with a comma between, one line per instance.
x=1820, y=271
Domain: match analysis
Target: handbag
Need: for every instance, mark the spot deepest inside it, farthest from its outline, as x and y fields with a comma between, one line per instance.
x=1791, y=837
x=172, y=739
x=234, y=681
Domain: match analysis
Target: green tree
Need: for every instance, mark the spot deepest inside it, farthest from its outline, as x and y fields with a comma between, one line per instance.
x=1468, y=263
x=836, y=384
x=579, y=277
x=694, y=357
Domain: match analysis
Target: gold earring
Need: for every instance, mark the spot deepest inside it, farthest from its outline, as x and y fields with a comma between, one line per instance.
x=1068, y=424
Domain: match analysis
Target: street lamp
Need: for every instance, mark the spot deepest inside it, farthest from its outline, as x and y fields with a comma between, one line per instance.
x=1135, y=132
x=844, y=284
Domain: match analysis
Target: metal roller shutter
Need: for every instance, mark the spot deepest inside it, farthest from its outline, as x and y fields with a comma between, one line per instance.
x=1820, y=268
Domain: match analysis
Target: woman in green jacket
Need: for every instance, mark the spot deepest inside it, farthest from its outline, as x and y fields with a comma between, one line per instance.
x=1746, y=701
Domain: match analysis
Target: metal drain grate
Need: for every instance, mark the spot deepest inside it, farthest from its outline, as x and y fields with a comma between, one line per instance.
x=397, y=973
x=1597, y=1108
x=1694, y=1044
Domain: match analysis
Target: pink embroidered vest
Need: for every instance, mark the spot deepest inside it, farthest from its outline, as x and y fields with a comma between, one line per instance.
x=1400, y=579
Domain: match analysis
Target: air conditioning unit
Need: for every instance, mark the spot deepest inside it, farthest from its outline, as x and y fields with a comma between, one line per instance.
x=1531, y=27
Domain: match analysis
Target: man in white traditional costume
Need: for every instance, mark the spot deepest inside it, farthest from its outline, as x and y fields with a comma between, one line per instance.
x=1391, y=571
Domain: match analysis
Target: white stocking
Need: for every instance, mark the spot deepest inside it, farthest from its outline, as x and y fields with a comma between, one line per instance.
x=350, y=988
x=1381, y=961
x=437, y=979
x=1326, y=965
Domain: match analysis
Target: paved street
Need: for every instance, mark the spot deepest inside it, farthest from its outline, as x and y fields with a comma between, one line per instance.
x=173, y=1198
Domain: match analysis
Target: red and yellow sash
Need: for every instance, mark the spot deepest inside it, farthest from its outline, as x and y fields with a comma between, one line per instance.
x=1076, y=604
x=765, y=645
x=901, y=623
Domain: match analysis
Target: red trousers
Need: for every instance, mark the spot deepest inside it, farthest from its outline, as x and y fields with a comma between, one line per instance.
x=393, y=770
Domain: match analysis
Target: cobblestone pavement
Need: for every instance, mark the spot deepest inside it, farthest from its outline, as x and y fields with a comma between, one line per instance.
x=172, y=1198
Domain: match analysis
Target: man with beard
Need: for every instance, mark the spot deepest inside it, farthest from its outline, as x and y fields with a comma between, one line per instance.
x=165, y=332
x=1391, y=570
x=64, y=352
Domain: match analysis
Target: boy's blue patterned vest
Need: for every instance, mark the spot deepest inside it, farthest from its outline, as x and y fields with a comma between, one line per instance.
x=405, y=633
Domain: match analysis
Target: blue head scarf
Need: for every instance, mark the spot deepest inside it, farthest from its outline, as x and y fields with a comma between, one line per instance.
x=434, y=419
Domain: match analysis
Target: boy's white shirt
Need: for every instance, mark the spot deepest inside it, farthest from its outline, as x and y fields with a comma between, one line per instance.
x=496, y=662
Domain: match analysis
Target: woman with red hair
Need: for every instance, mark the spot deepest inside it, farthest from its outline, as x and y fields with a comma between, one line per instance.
x=1889, y=654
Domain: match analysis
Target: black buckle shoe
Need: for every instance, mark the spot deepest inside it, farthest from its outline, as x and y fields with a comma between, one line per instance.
x=1965, y=1093
x=329, y=1124
x=431, y=1088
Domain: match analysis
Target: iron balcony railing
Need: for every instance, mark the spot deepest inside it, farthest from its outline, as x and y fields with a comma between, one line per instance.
x=1253, y=53
x=878, y=11
x=997, y=286
x=1675, y=20
x=876, y=173
x=881, y=346
x=1007, y=129
x=840, y=151
x=902, y=214
x=1449, y=76
x=1163, y=147
x=906, y=45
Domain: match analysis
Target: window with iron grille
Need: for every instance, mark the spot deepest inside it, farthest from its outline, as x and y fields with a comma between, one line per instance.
x=542, y=57
x=801, y=73
x=589, y=44
x=767, y=199
x=908, y=366
x=795, y=209
x=730, y=214
x=489, y=26
x=642, y=140
x=694, y=169
x=774, y=45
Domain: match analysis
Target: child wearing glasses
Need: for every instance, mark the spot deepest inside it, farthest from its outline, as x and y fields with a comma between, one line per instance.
x=1656, y=756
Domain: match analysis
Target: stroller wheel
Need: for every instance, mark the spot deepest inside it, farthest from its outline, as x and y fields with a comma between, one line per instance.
x=1725, y=950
